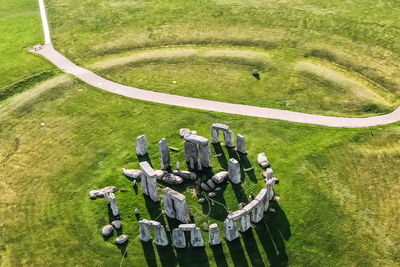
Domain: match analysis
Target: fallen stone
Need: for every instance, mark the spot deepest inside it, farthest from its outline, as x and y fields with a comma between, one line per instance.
x=263, y=160
x=160, y=174
x=174, y=149
x=218, y=155
x=94, y=194
x=211, y=194
x=218, y=189
x=201, y=200
x=186, y=175
x=248, y=169
x=121, y=239
x=132, y=173
x=107, y=230
x=220, y=177
x=170, y=178
x=183, y=132
x=210, y=184
x=205, y=187
x=116, y=224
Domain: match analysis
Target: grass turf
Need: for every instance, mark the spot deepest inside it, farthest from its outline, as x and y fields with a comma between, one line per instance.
x=338, y=186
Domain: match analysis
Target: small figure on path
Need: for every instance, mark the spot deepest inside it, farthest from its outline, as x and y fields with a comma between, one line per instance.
x=256, y=74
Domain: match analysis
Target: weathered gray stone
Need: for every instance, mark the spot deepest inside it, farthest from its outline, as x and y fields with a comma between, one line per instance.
x=160, y=174
x=174, y=149
x=178, y=236
x=186, y=175
x=121, y=239
x=195, y=238
x=205, y=187
x=211, y=194
x=107, y=230
x=193, y=132
x=210, y=184
x=175, y=205
x=149, y=181
x=245, y=223
x=234, y=171
x=113, y=204
x=183, y=132
x=161, y=236
x=220, y=177
x=101, y=192
x=214, y=131
x=205, y=155
x=187, y=227
x=231, y=230
x=136, y=211
x=240, y=144
x=191, y=164
x=270, y=183
x=94, y=194
x=191, y=151
x=133, y=174
x=201, y=200
x=263, y=198
x=144, y=230
x=214, y=236
x=248, y=169
x=263, y=160
x=218, y=188
x=141, y=145
x=229, y=138
x=269, y=173
x=196, y=139
x=165, y=158
x=236, y=214
x=178, y=166
x=116, y=224
x=170, y=178
x=257, y=213
x=199, y=167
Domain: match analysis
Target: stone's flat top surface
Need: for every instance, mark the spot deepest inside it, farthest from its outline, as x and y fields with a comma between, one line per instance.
x=141, y=137
x=171, y=192
x=145, y=166
x=107, y=230
x=132, y=173
x=154, y=223
x=236, y=214
x=232, y=160
x=214, y=225
x=261, y=194
x=187, y=226
x=197, y=139
x=116, y=224
x=220, y=126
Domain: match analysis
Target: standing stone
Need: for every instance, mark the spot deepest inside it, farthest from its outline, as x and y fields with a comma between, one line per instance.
x=165, y=158
x=245, y=223
x=161, y=236
x=234, y=171
x=149, y=181
x=141, y=145
x=199, y=167
x=195, y=238
x=205, y=155
x=240, y=144
x=270, y=183
x=263, y=197
x=214, y=235
x=263, y=160
x=214, y=136
x=144, y=230
x=258, y=212
x=229, y=138
x=269, y=173
x=191, y=164
x=178, y=236
x=231, y=231
x=190, y=152
x=113, y=204
x=175, y=205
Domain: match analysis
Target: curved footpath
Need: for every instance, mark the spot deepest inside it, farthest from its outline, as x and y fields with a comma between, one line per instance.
x=95, y=80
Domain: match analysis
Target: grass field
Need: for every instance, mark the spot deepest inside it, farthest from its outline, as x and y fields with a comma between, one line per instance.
x=339, y=187
x=60, y=138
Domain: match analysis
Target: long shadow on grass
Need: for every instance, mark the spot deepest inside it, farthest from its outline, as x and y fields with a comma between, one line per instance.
x=245, y=164
x=237, y=253
x=219, y=255
x=239, y=193
x=191, y=257
x=149, y=254
x=154, y=209
x=167, y=255
x=145, y=158
x=271, y=231
x=222, y=158
x=252, y=249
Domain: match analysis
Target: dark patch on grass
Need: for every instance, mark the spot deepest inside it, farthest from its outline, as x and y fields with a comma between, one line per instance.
x=219, y=255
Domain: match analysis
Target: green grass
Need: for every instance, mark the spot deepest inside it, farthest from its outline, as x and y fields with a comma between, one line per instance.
x=356, y=36
x=21, y=29
x=339, y=187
